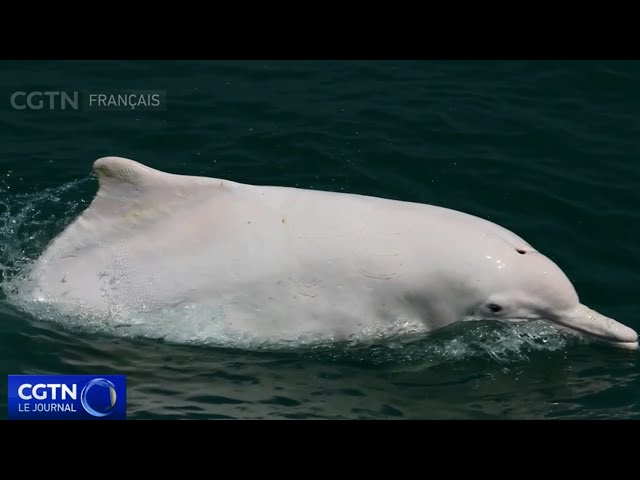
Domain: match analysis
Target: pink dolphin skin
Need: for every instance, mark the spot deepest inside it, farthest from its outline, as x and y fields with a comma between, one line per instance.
x=280, y=263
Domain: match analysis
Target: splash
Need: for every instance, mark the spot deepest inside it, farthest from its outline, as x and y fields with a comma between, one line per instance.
x=494, y=342
x=29, y=220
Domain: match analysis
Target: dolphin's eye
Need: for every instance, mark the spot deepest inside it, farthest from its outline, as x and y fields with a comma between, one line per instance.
x=494, y=307
x=521, y=251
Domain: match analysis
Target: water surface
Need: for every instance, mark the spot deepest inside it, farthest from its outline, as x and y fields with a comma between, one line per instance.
x=547, y=149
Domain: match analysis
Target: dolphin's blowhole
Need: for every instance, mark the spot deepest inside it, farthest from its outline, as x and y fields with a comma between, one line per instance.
x=494, y=307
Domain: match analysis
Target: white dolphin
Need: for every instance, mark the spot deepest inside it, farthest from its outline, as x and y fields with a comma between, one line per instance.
x=281, y=262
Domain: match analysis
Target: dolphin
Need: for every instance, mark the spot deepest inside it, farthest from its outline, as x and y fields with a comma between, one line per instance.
x=280, y=262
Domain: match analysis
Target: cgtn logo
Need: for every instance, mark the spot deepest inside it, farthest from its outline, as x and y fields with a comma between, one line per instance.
x=67, y=397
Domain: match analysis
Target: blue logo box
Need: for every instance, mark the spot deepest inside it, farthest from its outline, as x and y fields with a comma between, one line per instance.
x=67, y=397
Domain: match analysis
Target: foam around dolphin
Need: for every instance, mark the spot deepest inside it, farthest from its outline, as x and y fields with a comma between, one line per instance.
x=280, y=262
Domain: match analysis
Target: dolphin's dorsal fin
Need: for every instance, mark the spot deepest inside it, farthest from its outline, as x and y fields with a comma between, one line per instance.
x=127, y=187
x=118, y=171
x=131, y=195
x=123, y=174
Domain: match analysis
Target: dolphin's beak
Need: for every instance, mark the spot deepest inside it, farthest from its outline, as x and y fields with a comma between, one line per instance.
x=585, y=320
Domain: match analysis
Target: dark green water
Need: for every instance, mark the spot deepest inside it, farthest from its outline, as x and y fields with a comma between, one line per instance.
x=550, y=150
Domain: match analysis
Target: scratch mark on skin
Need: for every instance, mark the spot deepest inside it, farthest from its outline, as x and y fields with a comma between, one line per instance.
x=304, y=289
x=377, y=276
x=311, y=284
x=310, y=295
